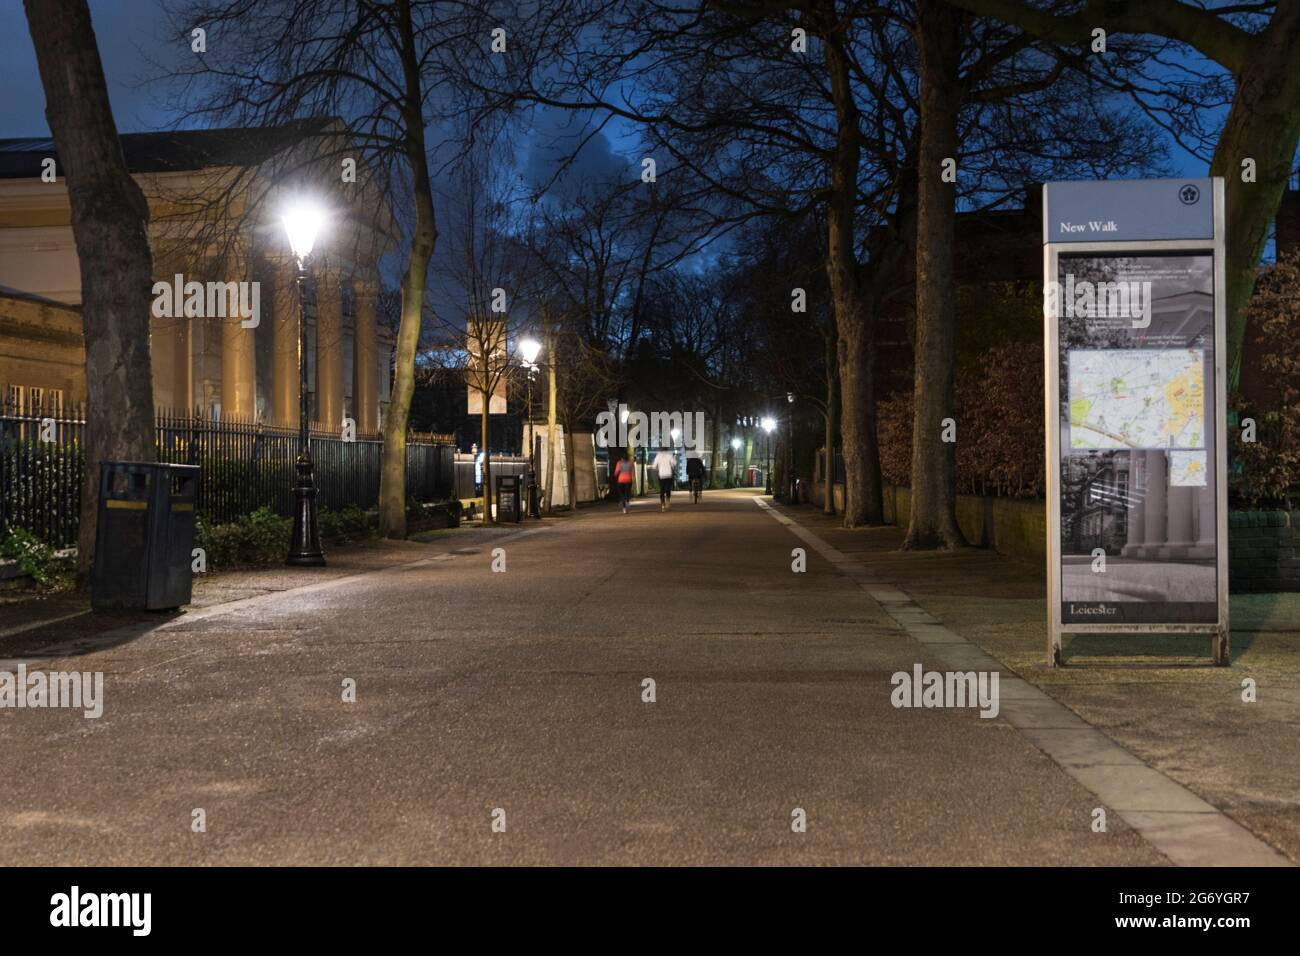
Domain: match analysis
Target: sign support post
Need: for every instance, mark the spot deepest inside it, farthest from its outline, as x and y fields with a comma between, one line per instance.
x=1136, y=410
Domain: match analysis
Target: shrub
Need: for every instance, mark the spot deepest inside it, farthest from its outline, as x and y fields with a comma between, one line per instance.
x=35, y=558
x=1267, y=471
x=894, y=433
x=259, y=538
x=998, y=404
x=350, y=524
x=263, y=536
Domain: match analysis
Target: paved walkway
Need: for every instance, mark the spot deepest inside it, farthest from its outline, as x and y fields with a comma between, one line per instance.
x=518, y=696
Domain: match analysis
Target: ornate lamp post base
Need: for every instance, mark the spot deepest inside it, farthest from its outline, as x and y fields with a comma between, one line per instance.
x=305, y=550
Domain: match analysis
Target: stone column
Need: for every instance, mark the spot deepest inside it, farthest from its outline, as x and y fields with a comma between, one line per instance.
x=169, y=347
x=1181, y=504
x=239, y=352
x=1206, y=526
x=329, y=349
x=1153, y=535
x=284, y=372
x=1137, y=510
x=365, y=381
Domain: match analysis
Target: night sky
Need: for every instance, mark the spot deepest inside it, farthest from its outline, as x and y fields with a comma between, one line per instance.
x=128, y=28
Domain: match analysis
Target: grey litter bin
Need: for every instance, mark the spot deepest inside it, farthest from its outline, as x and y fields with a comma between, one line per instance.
x=144, y=541
x=509, y=507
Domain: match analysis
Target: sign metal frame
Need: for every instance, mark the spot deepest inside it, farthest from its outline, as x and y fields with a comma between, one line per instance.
x=1218, y=631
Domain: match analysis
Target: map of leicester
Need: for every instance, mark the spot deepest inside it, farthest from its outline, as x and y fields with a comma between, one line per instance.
x=1137, y=398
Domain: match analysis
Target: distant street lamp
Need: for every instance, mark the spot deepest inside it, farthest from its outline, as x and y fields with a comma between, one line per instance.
x=789, y=444
x=302, y=222
x=529, y=349
x=769, y=425
x=731, y=472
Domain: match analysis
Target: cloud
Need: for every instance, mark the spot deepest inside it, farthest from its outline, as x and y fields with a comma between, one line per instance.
x=561, y=136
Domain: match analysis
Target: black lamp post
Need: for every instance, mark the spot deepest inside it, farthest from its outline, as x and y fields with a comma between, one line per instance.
x=302, y=223
x=528, y=350
x=789, y=447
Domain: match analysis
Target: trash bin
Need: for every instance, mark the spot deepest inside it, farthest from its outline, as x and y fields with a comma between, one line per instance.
x=144, y=541
x=508, y=498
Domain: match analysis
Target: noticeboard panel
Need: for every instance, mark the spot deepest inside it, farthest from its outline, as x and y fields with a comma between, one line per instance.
x=1136, y=423
x=1135, y=411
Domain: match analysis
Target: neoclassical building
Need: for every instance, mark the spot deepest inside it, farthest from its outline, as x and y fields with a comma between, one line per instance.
x=215, y=200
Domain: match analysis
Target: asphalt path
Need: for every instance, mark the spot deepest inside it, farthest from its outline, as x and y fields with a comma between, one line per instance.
x=501, y=717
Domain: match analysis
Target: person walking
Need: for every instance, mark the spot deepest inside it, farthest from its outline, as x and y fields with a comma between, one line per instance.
x=623, y=474
x=666, y=465
x=695, y=475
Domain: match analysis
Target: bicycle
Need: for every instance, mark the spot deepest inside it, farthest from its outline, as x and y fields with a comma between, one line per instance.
x=697, y=487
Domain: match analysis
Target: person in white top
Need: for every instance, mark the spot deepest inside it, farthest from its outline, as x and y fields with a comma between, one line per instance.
x=665, y=464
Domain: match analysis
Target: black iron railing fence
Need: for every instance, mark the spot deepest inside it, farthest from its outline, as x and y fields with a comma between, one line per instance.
x=244, y=466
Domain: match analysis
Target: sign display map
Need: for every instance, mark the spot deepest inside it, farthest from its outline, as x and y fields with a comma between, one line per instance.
x=1134, y=346
x=1137, y=398
x=1136, y=434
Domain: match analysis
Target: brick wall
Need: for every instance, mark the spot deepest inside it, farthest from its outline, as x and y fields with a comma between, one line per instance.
x=1016, y=527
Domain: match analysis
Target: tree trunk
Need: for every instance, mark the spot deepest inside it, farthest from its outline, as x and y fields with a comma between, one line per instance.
x=110, y=226
x=392, y=475
x=934, y=491
x=1264, y=125
x=485, y=426
x=863, y=503
x=570, y=464
x=550, y=426
x=717, y=444
x=630, y=451
x=828, y=467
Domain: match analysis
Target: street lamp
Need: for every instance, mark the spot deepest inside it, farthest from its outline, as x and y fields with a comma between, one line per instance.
x=789, y=447
x=731, y=472
x=529, y=349
x=302, y=222
x=769, y=425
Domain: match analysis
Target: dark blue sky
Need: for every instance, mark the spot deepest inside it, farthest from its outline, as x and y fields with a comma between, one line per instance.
x=128, y=31
x=125, y=29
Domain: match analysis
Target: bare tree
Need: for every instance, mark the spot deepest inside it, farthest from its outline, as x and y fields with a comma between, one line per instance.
x=997, y=108
x=383, y=70
x=794, y=349
x=1255, y=147
x=109, y=223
